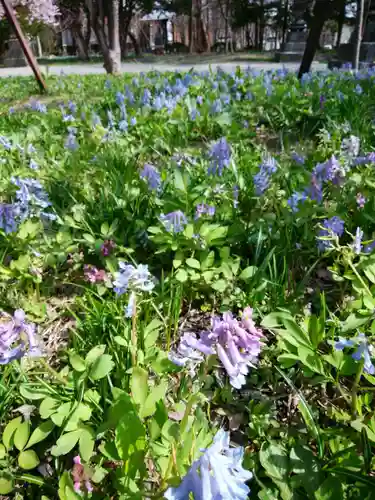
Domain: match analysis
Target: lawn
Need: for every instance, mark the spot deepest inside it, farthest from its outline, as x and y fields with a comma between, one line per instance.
x=187, y=286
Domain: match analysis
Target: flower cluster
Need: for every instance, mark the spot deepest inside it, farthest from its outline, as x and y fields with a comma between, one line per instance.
x=332, y=227
x=81, y=478
x=363, y=351
x=204, y=209
x=93, y=274
x=261, y=180
x=236, y=343
x=220, y=155
x=17, y=337
x=217, y=474
x=32, y=199
x=137, y=279
x=150, y=174
x=174, y=222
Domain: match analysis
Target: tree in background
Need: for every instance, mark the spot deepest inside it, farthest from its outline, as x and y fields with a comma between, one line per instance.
x=34, y=11
x=101, y=12
x=75, y=16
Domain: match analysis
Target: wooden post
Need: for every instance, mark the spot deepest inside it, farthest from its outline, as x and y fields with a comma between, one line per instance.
x=24, y=44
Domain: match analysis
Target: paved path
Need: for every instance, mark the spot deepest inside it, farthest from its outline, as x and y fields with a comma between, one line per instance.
x=86, y=69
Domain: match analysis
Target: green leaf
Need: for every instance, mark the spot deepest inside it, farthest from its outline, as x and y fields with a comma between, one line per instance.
x=157, y=393
x=139, y=385
x=77, y=362
x=194, y=263
x=28, y=460
x=40, y=433
x=306, y=467
x=130, y=439
x=329, y=489
x=248, y=273
x=94, y=353
x=86, y=444
x=224, y=120
x=3, y=451
x=180, y=181
x=181, y=276
x=21, y=435
x=274, y=458
x=66, y=443
x=48, y=407
x=219, y=285
x=6, y=485
x=66, y=488
x=353, y=321
x=9, y=431
x=89, y=237
x=177, y=263
x=30, y=393
x=101, y=367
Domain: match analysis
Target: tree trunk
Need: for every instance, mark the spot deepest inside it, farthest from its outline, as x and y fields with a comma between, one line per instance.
x=261, y=25
x=285, y=21
x=111, y=48
x=358, y=33
x=82, y=47
x=137, y=48
x=191, y=40
x=340, y=23
x=114, y=65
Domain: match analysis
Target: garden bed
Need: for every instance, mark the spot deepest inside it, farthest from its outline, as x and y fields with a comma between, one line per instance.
x=184, y=256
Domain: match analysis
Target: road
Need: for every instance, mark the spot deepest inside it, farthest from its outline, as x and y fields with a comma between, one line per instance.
x=138, y=67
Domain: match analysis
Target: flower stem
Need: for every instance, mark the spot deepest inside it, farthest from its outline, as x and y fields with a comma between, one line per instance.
x=359, y=277
x=355, y=389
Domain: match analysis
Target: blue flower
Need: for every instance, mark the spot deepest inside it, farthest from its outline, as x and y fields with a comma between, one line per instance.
x=193, y=114
x=146, y=97
x=152, y=176
x=332, y=227
x=133, y=121
x=295, y=200
x=123, y=125
x=204, y=209
x=220, y=155
x=217, y=474
x=362, y=351
x=300, y=159
x=8, y=217
x=133, y=278
x=327, y=171
x=358, y=90
x=199, y=100
x=174, y=222
x=120, y=98
x=357, y=244
x=71, y=142
x=262, y=179
x=216, y=107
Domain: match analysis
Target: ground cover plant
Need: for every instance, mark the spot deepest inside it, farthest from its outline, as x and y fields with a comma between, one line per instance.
x=188, y=286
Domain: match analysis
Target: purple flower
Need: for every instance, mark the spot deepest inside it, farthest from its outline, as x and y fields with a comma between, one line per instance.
x=94, y=275
x=137, y=279
x=71, y=142
x=267, y=167
x=204, y=209
x=17, y=338
x=299, y=159
x=146, y=97
x=217, y=474
x=216, y=107
x=315, y=190
x=236, y=343
x=362, y=351
x=357, y=244
x=193, y=114
x=123, y=125
x=361, y=200
x=33, y=165
x=174, y=222
x=369, y=248
x=220, y=155
x=332, y=227
x=133, y=121
x=152, y=176
x=327, y=171
x=361, y=160
x=107, y=247
x=120, y=98
x=8, y=217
